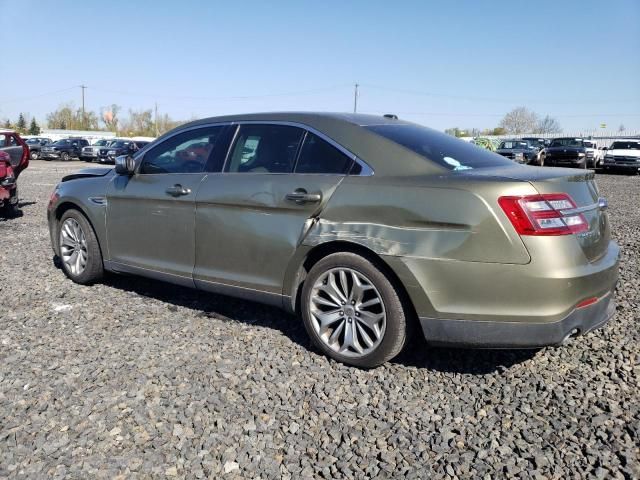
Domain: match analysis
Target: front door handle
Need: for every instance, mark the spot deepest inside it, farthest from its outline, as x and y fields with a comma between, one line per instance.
x=178, y=190
x=301, y=196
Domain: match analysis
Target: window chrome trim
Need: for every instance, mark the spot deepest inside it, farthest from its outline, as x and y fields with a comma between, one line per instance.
x=366, y=168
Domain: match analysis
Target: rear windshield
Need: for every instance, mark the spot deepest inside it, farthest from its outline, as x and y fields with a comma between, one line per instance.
x=567, y=142
x=625, y=146
x=440, y=148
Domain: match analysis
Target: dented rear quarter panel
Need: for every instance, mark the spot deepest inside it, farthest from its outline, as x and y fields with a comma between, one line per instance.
x=412, y=222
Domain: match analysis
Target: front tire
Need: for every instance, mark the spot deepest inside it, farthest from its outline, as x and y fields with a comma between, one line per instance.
x=352, y=312
x=80, y=253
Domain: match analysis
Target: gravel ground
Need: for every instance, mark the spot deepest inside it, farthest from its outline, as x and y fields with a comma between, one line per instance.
x=134, y=378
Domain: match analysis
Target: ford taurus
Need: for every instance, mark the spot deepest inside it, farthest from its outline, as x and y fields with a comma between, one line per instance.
x=362, y=225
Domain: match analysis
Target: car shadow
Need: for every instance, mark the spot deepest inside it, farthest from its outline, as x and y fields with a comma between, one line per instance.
x=417, y=355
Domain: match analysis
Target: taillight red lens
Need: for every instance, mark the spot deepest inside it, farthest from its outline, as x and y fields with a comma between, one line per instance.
x=543, y=214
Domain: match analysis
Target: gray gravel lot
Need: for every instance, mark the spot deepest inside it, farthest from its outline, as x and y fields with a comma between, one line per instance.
x=135, y=378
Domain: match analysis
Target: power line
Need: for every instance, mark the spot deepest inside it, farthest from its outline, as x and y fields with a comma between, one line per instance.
x=22, y=99
x=486, y=99
x=227, y=97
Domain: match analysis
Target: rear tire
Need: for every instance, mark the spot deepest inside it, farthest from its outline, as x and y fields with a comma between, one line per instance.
x=356, y=318
x=34, y=155
x=76, y=237
x=65, y=156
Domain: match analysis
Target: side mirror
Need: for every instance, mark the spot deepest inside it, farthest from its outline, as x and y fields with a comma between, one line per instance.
x=125, y=165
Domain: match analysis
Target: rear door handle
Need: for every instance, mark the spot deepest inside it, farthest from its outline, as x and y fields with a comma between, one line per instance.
x=178, y=190
x=301, y=196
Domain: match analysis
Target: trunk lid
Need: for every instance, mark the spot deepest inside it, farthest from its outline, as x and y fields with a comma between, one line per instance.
x=581, y=187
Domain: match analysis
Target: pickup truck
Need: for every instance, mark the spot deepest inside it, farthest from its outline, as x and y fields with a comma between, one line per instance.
x=520, y=151
x=65, y=149
x=35, y=145
x=623, y=155
x=595, y=156
x=566, y=152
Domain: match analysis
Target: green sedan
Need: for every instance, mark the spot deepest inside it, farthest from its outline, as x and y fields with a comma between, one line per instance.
x=369, y=228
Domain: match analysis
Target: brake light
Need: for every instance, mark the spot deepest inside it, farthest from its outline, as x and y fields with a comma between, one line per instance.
x=543, y=214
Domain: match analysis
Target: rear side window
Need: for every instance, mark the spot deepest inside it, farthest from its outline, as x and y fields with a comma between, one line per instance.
x=264, y=149
x=319, y=156
x=440, y=148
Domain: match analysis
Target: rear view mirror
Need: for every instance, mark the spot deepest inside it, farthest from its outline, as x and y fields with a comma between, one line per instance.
x=125, y=165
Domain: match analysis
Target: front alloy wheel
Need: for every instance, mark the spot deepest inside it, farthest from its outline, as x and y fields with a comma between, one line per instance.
x=73, y=246
x=80, y=254
x=352, y=310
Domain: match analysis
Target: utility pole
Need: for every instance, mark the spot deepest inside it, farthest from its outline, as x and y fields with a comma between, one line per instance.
x=355, y=99
x=156, y=117
x=84, y=125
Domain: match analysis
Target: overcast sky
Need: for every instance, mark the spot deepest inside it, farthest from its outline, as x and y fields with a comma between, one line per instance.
x=442, y=64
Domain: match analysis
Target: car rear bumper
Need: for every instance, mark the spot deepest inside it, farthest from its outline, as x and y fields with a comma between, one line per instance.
x=490, y=334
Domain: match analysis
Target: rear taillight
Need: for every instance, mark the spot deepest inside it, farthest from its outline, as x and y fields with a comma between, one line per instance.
x=543, y=214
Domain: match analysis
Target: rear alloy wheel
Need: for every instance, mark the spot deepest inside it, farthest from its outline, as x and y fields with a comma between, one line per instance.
x=352, y=312
x=65, y=156
x=34, y=155
x=80, y=254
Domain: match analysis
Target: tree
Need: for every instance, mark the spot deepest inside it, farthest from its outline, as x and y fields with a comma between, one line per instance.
x=7, y=123
x=34, y=129
x=456, y=132
x=498, y=131
x=519, y=120
x=21, y=125
x=621, y=128
x=548, y=125
x=110, y=117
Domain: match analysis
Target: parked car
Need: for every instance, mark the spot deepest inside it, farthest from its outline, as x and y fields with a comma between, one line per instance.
x=65, y=149
x=567, y=151
x=117, y=148
x=593, y=154
x=35, y=145
x=361, y=224
x=540, y=144
x=90, y=152
x=14, y=158
x=623, y=155
x=520, y=151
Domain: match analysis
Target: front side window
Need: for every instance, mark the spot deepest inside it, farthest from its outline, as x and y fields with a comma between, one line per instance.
x=440, y=148
x=319, y=156
x=264, y=149
x=186, y=152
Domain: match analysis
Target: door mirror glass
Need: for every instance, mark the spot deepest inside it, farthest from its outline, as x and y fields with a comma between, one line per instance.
x=125, y=165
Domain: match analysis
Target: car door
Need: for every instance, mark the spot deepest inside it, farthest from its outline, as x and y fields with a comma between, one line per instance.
x=150, y=215
x=9, y=143
x=250, y=218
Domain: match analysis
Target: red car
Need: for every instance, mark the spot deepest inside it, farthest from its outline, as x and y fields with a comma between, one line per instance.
x=14, y=158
